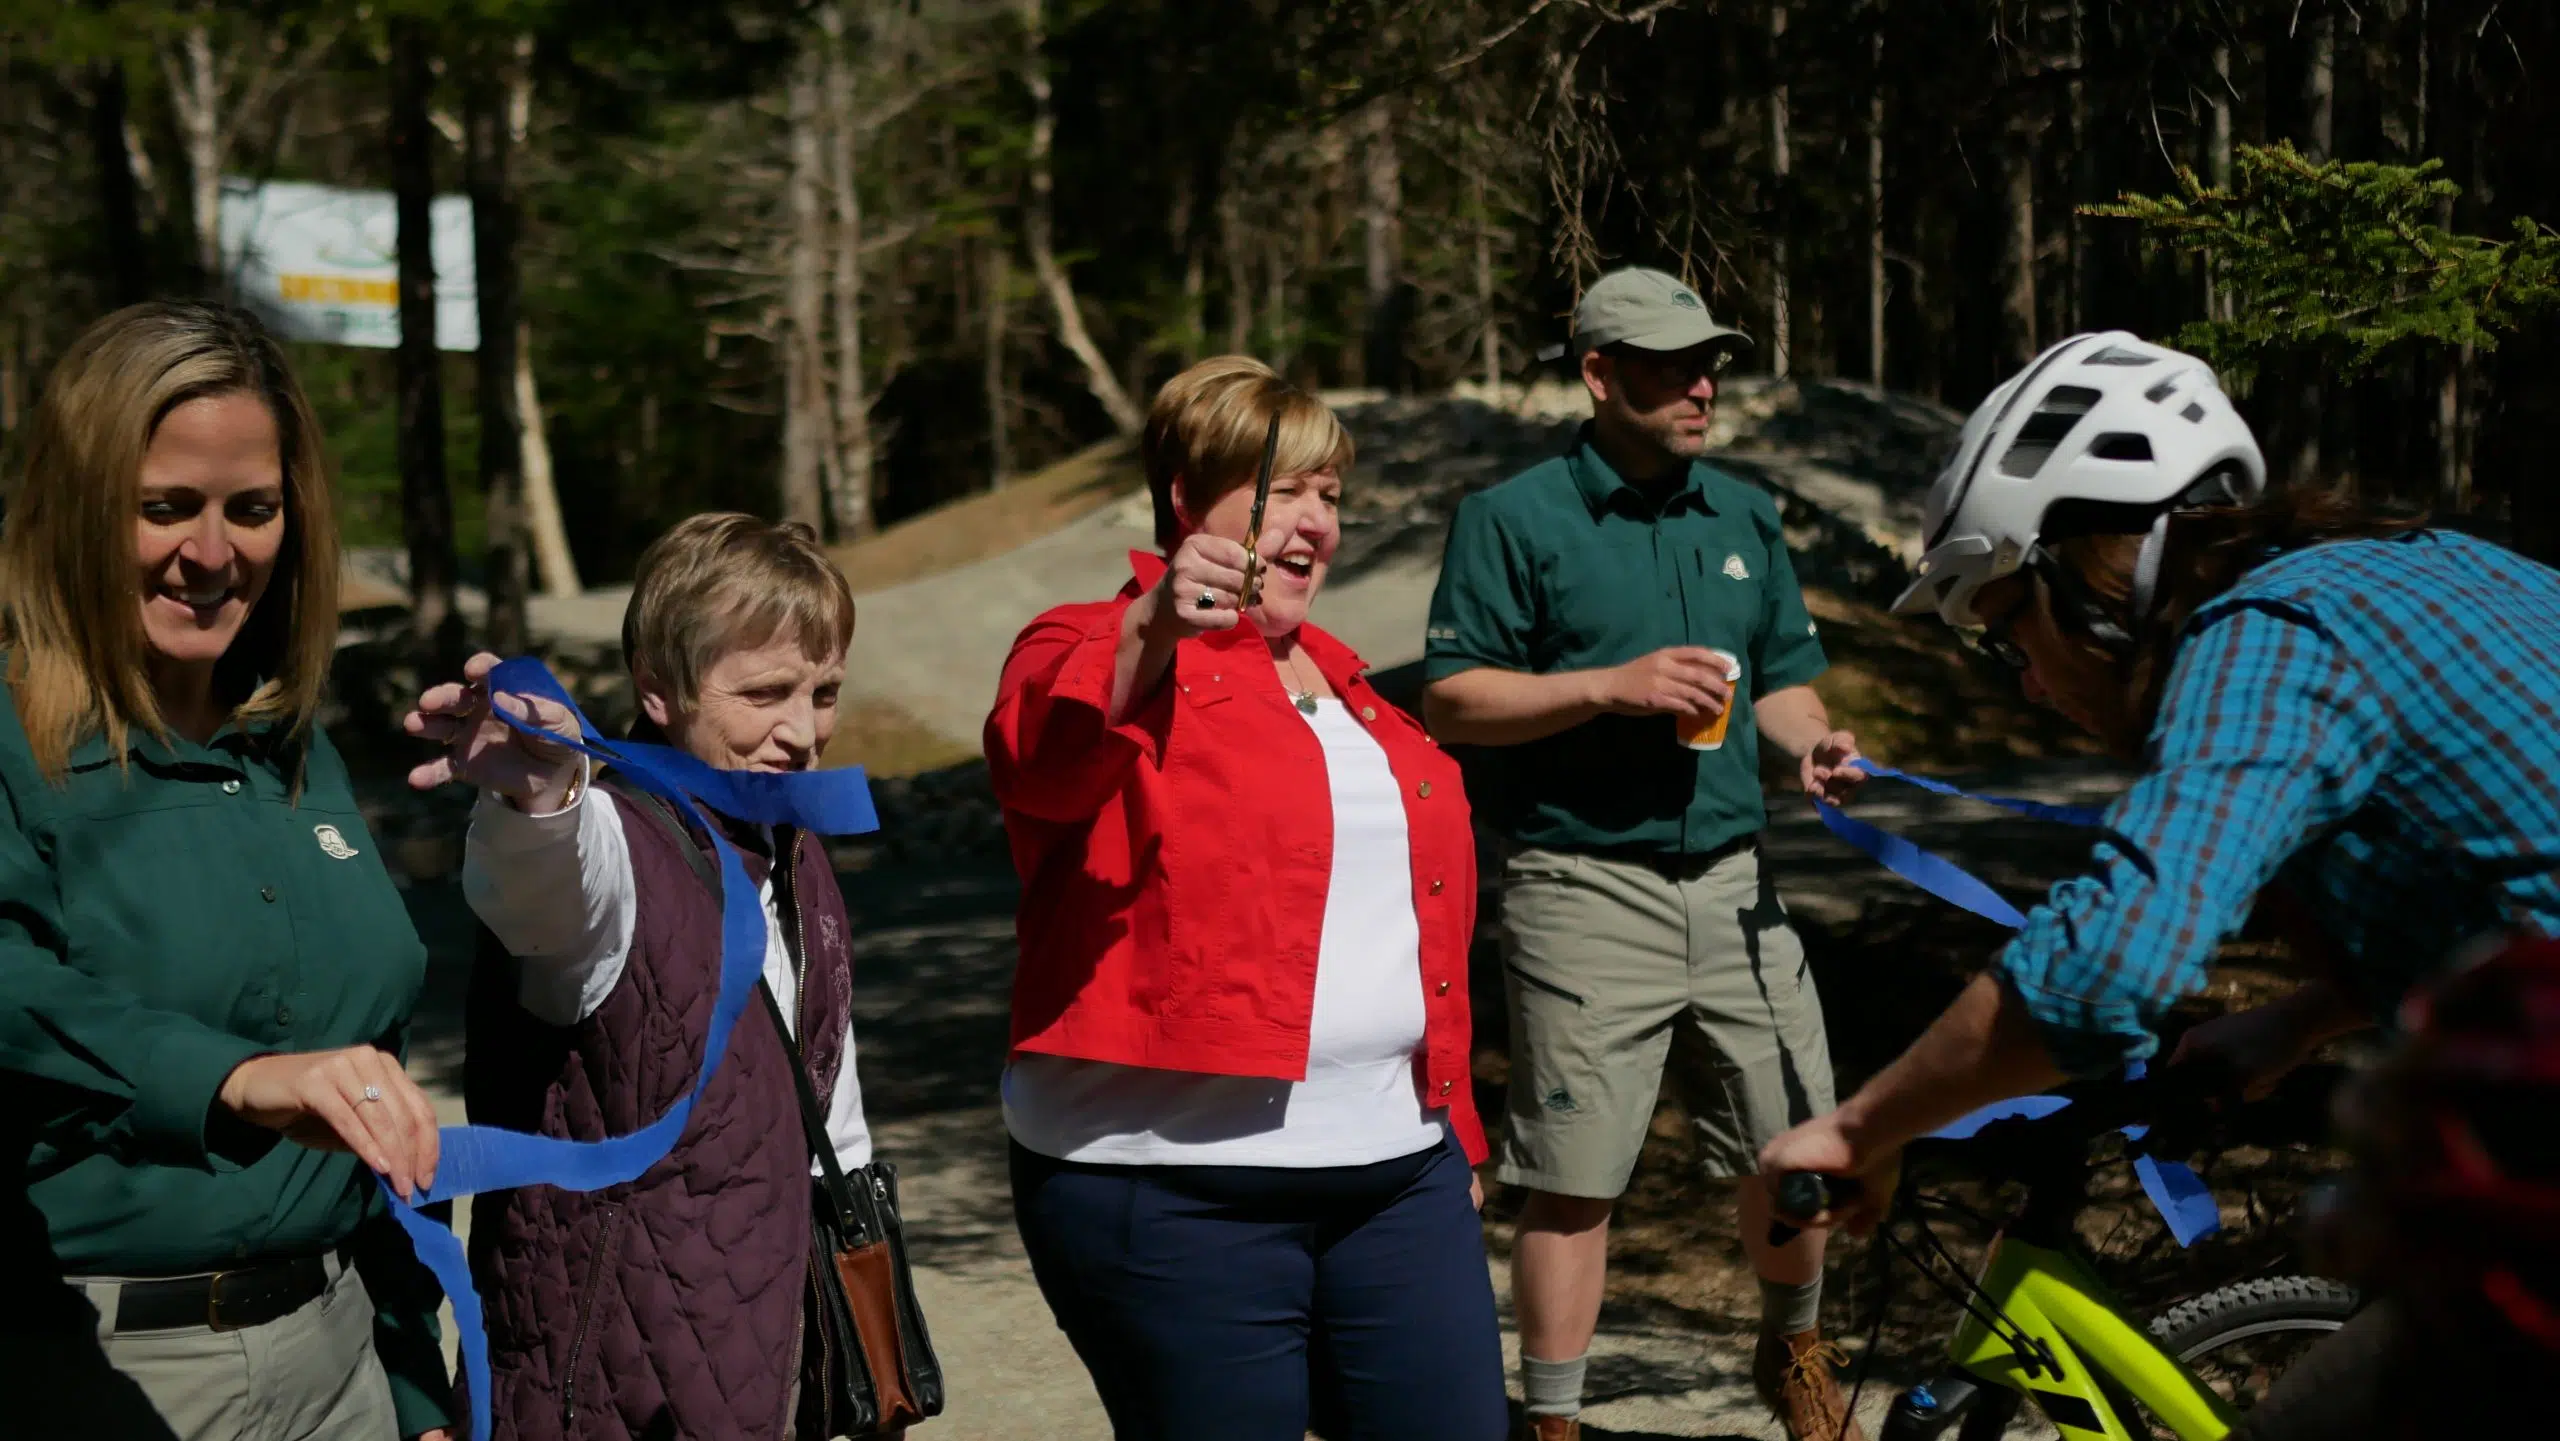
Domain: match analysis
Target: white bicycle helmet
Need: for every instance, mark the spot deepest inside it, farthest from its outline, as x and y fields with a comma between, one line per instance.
x=2134, y=430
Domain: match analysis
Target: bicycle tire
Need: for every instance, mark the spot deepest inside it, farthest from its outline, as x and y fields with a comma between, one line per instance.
x=2265, y=1306
x=2240, y=1338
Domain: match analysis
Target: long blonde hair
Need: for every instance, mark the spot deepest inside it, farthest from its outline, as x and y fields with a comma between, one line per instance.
x=69, y=614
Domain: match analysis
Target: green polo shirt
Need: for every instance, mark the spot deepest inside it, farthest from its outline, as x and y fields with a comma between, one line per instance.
x=1566, y=567
x=160, y=922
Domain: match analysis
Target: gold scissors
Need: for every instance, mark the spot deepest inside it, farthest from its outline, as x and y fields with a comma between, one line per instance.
x=1252, y=590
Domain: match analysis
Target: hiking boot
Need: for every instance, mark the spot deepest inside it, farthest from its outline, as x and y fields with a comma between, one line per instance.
x=1550, y=1428
x=1793, y=1376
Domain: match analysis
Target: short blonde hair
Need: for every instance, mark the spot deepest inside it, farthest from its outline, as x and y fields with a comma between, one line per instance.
x=68, y=612
x=727, y=581
x=1206, y=429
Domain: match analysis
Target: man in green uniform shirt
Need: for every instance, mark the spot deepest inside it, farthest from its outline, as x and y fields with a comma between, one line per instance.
x=1594, y=615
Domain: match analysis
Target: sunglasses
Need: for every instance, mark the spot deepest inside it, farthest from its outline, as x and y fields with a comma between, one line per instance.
x=1993, y=640
x=1682, y=367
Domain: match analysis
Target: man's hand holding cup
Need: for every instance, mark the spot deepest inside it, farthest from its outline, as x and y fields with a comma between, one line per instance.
x=1691, y=683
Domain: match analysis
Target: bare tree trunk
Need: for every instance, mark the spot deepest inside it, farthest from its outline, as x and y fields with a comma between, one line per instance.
x=806, y=437
x=2319, y=110
x=1037, y=217
x=1282, y=336
x=2453, y=483
x=999, y=287
x=2018, y=326
x=426, y=505
x=2319, y=83
x=126, y=262
x=11, y=376
x=1875, y=198
x=851, y=496
x=2217, y=159
x=553, y=563
x=1231, y=241
x=488, y=156
x=195, y=96
x=2075, y=297
x=1382, y=249
x=1185, y=228
x=1488, y=317
x=1781, y=301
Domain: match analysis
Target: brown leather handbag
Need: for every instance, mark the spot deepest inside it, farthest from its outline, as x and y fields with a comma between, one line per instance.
x=867, y=1366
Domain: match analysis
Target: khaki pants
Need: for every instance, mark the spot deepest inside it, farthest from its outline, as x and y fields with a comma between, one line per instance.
x=1602, y=958
x=309, y=1376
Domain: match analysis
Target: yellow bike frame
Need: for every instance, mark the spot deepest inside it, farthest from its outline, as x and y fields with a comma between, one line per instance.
x=2054, y=1301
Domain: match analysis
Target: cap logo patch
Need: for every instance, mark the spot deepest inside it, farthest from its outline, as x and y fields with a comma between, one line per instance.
x=1687, y=301
x=333, y=844
x=1734, y=567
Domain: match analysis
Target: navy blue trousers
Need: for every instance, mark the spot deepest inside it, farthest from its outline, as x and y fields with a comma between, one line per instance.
x=1246, y=1303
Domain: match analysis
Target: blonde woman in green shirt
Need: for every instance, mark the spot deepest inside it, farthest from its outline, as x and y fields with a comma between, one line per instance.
x=205, y=973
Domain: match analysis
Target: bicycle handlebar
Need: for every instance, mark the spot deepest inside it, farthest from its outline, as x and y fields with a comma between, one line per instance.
x=2175, y=1099
x=1808, y=1193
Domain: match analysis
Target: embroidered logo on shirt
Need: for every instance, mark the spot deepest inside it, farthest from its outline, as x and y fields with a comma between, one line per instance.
x=1734, y=567
x=334, y=844
x=829, y=935
x=1441, y=632
x=1559, y=1101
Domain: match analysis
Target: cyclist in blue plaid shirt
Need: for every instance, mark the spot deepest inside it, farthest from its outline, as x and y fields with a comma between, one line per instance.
x=2354, y=717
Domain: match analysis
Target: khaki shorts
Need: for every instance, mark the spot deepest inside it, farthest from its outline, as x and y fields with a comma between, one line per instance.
x=1601, y=958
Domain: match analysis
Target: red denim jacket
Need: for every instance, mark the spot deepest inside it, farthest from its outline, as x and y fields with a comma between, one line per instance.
x=1175, y=866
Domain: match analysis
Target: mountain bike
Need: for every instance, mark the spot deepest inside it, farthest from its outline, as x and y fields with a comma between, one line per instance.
x=2038, y=1323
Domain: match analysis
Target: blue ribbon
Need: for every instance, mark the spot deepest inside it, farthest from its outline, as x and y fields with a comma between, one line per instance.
x=2184, y=1201
x=1930, y=871
x=484, y=1158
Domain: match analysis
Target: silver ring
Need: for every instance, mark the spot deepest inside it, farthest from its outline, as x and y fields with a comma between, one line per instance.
x=373, y=1093
x=1208, y=601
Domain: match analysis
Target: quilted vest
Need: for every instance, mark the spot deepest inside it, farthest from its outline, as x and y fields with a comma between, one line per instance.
x=668, y=1306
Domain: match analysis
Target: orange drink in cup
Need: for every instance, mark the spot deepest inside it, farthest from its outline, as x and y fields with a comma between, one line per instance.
x=1706, y=733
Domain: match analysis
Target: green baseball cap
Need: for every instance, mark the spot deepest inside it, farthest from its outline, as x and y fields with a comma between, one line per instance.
x=1648, y=310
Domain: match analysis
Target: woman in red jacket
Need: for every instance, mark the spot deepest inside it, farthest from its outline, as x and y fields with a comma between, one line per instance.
x=1239, y=1092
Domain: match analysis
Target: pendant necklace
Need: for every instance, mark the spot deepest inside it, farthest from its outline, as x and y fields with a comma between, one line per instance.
x=1304, y=700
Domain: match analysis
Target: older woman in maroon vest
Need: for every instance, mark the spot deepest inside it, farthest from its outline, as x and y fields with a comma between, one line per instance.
x=669, y=1306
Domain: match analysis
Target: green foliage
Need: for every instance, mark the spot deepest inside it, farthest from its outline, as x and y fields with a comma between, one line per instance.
x=2339, y=262
x=353, y=394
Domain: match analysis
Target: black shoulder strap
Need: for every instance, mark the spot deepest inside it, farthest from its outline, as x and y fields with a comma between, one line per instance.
x=664, y=816
x=813, y=1117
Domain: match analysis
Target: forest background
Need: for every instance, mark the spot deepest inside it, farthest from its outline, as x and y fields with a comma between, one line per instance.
x=846, y=261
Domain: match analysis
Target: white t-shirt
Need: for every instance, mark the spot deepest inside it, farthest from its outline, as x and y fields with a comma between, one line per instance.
x=558, y=893
x=1361, y=1101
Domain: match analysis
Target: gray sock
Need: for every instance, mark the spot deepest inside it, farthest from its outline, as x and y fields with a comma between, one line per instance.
x=1552, y=1388
x=1787, y=1309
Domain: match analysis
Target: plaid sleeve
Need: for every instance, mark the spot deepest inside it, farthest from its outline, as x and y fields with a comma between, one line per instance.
x=2268, y=733
x=1484, y=611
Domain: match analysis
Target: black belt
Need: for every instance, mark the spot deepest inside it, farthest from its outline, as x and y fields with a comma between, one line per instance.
x=224, y=1300
x=1670, y=865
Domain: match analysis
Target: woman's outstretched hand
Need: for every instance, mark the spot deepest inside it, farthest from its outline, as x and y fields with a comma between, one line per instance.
x=354, y=1099
x=483, y=750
